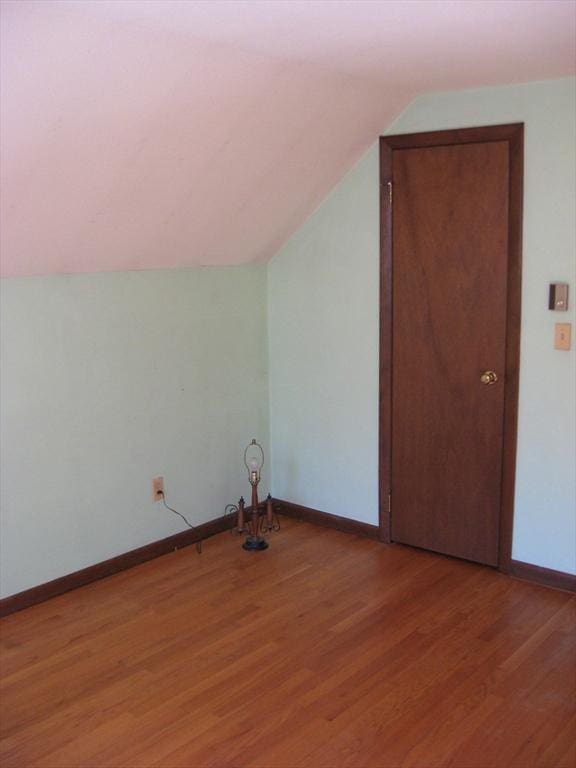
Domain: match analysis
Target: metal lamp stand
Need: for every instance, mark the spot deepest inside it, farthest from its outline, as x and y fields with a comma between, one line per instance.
x=259, y=516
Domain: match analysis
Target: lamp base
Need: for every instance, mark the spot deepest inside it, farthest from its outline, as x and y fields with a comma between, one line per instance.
x=255, y=544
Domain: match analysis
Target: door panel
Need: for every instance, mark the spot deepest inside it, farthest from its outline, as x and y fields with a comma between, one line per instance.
x=450, y=225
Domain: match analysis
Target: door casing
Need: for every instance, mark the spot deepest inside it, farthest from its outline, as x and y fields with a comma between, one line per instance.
x=513, y=134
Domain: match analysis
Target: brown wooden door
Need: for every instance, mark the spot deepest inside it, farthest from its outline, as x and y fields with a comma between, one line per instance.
x=450, y=226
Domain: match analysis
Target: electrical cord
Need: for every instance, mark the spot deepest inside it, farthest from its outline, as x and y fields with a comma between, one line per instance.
x=163, y=497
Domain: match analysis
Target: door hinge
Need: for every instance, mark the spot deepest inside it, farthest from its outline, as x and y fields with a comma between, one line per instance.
x=389, y=503
x=390, y=194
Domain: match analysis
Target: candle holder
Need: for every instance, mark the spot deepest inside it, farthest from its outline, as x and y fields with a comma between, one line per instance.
x=259, y=516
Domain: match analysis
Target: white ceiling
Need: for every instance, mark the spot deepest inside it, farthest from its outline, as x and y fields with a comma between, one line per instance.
x=142, y=134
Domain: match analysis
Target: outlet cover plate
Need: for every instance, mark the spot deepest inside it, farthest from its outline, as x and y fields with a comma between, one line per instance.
x=157, y=488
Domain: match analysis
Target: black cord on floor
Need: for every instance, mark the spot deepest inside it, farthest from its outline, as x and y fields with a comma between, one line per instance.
x=199, y=542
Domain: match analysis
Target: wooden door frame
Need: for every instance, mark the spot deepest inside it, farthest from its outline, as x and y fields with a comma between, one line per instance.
x=514, y=135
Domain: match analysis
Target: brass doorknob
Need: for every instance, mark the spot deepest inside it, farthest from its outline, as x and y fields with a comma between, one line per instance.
x=489, y=377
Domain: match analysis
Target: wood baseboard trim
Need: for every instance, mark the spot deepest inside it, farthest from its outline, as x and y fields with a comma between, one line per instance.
x=326, y=519
x=544, y=576
x=106, y=568
x=525, y=571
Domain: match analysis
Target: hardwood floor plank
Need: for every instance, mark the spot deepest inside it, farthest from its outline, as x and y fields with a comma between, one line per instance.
x=328, y=650
x=561, y=751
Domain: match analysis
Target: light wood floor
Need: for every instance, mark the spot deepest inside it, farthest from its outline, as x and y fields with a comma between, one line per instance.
x=326, y=650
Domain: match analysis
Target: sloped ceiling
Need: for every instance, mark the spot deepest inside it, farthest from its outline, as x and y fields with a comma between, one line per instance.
x=142, y=134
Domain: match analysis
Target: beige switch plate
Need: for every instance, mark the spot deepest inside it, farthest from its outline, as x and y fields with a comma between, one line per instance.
x=562, y=334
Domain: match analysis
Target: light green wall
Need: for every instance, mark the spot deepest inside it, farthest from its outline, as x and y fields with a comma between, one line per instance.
x=109, y=380
x=323, y=336
x=323, y=315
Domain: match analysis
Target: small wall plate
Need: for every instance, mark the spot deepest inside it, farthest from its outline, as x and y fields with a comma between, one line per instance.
x=558, y=297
